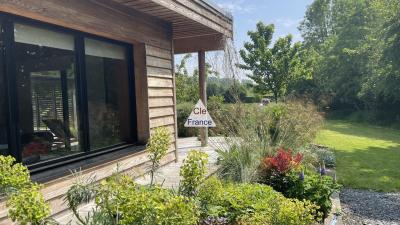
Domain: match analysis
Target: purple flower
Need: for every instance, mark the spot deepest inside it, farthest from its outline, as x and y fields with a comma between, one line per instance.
x=301, y=176
x=322, y=170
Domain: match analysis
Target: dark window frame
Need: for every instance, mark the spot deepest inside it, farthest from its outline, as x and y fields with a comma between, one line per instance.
x=8, y=21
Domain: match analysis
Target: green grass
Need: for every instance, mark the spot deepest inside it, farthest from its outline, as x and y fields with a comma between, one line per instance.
x=368, y=157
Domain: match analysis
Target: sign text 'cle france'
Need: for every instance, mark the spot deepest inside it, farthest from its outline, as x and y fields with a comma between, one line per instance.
x=199, y=117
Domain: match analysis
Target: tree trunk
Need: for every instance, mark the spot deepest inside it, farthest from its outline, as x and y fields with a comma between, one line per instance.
x=276, y=96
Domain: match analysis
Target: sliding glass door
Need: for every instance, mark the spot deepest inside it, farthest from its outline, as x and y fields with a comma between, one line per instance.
x=45, y=72
x=108, y=94
x=64, y=95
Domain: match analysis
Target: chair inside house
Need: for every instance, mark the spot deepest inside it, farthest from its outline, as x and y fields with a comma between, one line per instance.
x=63, y=136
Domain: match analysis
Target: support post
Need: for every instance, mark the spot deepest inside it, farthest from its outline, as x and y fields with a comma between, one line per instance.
x=203, y=92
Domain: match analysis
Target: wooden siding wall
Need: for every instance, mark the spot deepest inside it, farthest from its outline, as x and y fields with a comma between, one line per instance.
x=155, y=85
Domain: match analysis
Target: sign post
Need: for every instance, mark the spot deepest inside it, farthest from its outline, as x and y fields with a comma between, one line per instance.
x=199, y=117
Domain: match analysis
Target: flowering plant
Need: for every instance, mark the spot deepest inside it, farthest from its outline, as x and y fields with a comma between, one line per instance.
x=283, y=162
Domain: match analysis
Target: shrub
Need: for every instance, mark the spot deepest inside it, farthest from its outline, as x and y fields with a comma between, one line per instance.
x=157, y=148
x=25, y=203
x=132, y=204
x=283, y=161
x=252, y=204
x=183, y=112
x=193, y=172
x=251, y=132
x=315, y=188
x=293, y=124
x=245, y=142
x=282, y=173
x=27, y=206
x=13, y=176
x=120, y=201
x=215, y=104
x=324, y=155
x=276, y=170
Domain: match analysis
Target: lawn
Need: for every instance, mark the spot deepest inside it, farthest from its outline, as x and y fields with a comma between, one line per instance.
x=368, y=157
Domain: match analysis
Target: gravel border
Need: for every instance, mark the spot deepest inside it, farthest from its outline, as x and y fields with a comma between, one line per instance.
x=361, y=207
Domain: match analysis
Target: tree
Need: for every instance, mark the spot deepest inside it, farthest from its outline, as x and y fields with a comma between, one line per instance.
x=186, y=86
x=317, y=25
x=272, y=68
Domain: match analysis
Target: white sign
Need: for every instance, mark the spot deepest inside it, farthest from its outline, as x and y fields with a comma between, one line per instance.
x=199, y=117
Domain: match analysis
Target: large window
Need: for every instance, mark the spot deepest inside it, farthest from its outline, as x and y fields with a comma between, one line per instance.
x=70, y=94
x=45, y=65
x=108, y=94
x=3, y=101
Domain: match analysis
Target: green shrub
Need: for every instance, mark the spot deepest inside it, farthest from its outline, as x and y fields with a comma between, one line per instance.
x=215, y=104
x=13, y=176
x=324, y=155
x=183, y=111
x=25, y=203
x=120, y=201
x=293, y=124
x=283, y=172
x=193, y=172
x=157, y=148
x=315, y=188
x=252, y=204
x=252, y=132
x=27, y=206
x=245, y=142
x=128, y=203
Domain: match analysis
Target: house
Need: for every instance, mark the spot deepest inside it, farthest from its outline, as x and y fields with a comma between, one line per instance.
x=84, y=82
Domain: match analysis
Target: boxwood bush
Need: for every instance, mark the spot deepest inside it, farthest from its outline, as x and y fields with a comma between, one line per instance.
x=252, y=204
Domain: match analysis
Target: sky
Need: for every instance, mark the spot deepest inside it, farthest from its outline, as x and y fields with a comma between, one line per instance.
x=285, y=14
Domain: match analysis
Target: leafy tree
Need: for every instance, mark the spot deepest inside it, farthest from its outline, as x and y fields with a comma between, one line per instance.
x=187, y=87
x=273, y=68
x=317, y=25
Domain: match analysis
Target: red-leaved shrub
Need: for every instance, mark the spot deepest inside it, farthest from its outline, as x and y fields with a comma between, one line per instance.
x=283, y=161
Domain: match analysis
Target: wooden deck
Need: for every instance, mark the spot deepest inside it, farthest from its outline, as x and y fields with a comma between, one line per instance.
x=167, y=175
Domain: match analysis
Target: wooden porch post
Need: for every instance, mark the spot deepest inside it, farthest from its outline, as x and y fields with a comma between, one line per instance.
x=203, y=92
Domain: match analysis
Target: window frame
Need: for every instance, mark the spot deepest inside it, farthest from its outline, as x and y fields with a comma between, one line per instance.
x=7, y=21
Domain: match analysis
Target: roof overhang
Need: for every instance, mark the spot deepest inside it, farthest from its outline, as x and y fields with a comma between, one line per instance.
x=196, y=24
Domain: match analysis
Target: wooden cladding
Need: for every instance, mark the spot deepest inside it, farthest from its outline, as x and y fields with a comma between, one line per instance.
x=100, y=17
x=189, y=18
x=161, y=89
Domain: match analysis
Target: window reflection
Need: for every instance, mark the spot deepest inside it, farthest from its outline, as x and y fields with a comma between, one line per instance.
x=45, y=63
x=3, y=104
x=108, y=94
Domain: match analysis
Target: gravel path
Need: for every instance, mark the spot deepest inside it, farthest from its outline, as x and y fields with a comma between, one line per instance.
x=370, y=208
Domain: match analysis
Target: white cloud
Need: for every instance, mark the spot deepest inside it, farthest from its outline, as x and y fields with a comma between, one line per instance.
x=288, y=22
x=236, y=6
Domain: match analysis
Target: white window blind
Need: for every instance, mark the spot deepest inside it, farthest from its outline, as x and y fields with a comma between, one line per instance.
x=42, y=37
x=103, y=49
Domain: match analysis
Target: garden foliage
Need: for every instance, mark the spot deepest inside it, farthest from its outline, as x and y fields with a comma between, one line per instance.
x=252, y=204
x=193, y=172
x=25, y=203
x=254, y=132
x=157, y=148
x=284, y=172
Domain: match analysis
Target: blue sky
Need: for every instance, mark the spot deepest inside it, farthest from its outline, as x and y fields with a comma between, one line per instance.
x=285, y=14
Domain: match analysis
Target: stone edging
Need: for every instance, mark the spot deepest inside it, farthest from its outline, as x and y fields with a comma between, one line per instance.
x=335, y=216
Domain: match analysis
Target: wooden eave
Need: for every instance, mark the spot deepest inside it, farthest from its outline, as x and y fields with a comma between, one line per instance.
x=193, y=21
